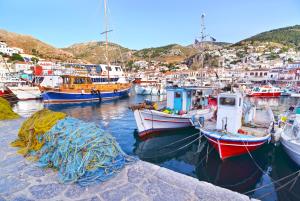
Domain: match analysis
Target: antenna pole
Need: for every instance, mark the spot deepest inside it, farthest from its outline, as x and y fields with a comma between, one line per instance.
x=202, y=45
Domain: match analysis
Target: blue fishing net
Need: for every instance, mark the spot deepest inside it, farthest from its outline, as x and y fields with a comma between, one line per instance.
x=81, y=152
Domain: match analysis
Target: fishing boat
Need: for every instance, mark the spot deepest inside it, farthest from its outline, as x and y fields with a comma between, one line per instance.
x=239, y=128
x=265, y=91
x=290, y=136
x=81, y=88
x=184, y=105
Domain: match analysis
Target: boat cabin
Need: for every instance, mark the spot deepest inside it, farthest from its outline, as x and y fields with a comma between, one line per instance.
x=230, y=111
x=186, y=99
x=76, y=80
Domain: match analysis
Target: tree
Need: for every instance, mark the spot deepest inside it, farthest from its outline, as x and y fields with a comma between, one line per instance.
x=34, y=60
x=16, y=57
x=290, y=60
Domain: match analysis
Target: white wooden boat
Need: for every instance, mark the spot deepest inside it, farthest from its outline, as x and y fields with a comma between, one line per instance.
x=144, y=89
x=182, y=110
x=26, y=92
x=238, y=129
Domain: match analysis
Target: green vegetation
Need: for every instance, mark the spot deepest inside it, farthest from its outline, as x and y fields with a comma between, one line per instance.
x=154, y=52
x=16, y=57
x=34, y=60
x=289, y=36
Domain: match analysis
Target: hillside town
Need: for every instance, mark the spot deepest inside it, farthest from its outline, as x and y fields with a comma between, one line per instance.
x=261, y=63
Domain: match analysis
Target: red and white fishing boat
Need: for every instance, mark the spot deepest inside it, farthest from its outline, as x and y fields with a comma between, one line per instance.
x=265, y=91
x=232, y=137
x=184, y=105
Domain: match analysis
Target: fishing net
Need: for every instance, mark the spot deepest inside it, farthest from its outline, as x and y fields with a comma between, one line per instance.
x=6, y=111
x=30, y=134
x=81, y=152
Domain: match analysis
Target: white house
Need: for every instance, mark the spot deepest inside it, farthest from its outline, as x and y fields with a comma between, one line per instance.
x=9, y=50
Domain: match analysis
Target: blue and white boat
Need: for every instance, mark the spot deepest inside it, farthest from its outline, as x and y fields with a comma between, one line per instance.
x=184, y=105
x=80, y=88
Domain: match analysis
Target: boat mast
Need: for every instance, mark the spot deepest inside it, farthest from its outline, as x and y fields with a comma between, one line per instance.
x=106, y=38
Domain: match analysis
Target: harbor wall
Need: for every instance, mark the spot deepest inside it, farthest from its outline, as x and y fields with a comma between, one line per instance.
x=21, y=179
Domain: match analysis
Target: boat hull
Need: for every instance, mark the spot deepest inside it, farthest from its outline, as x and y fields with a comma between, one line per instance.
x=295, y=95
x=59, y=97
x=292, y=149
x=150, y=121
x=26, y=93
x=259, y=94
x=234, y=146
x=148, y=90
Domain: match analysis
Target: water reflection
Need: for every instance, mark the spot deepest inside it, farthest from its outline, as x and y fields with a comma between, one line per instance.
x=185, y=155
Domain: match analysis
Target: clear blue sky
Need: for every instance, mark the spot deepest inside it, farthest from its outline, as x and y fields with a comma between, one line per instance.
x=145, y=23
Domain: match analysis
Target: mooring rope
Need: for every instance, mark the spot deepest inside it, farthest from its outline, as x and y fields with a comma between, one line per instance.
x=180, y=148
x=270, y=184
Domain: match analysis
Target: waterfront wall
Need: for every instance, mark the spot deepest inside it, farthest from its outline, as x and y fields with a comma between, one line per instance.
x=20, y=179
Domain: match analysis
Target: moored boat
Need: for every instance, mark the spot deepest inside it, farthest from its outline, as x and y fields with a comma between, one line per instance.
x=26, y=92
x=265, y=91
x=290, y=136
x=79, y=89
x=183, y=106
x=228, y=135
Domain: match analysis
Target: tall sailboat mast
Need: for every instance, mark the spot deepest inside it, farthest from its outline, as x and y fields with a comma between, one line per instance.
x=106, y=39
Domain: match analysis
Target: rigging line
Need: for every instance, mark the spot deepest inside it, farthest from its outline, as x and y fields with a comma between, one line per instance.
x=176, y=149
x=272, y=183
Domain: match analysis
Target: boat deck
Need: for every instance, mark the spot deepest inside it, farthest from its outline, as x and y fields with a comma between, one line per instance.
x=258, y=128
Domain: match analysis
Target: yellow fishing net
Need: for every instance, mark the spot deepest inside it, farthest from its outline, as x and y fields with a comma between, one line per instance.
x=29, y=137
x=6, y=111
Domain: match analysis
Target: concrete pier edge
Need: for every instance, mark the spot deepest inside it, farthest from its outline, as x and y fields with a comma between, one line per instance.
x=21, y=180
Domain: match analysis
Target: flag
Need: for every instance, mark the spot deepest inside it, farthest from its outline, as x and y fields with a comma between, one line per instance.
x=213, y=39
x=197, y=42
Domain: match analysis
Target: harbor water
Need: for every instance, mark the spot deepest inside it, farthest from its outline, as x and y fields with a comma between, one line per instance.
x=183, y=152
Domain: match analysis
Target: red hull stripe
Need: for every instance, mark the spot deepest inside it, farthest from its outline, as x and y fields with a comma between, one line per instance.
x=167, y=121
x=227, y=150
x=277, y=94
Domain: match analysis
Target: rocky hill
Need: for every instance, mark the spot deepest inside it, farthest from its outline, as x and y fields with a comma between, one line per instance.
x=34, y=46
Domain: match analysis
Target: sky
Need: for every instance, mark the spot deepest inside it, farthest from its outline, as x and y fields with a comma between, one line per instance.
x=140, y=24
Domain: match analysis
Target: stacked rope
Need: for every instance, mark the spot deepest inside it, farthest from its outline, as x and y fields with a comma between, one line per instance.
x=81, y=152
x=30, y=134
x=6, y=110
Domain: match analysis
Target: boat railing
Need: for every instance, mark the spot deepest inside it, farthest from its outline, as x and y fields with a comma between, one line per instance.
x=101, y=87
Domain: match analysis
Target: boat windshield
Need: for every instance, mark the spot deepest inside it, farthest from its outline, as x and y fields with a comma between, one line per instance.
x=227, y=101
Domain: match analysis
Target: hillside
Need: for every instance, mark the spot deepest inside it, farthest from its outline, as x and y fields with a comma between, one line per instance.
x=169, y=53
x=34, y=46
x=288, y=36
x=94, y=52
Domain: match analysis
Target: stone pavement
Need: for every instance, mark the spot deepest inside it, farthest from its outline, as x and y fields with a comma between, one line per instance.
x=21, y=180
